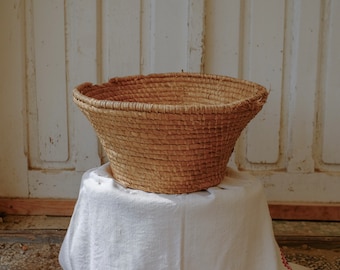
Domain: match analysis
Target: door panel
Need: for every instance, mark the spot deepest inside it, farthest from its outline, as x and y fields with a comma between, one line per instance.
x=61, y=142
x=263, y=47
x=13, y=146
x=329, y=95
x=288, y=46
x=48, y=103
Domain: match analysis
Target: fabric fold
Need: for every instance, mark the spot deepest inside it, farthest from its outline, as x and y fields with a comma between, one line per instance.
x=227, y=227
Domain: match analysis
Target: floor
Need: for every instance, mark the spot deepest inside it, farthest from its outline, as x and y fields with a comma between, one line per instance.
x=312, y=244
x=33, y=242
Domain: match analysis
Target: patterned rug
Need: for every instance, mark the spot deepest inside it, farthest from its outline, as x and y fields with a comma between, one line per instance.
x=313, y=258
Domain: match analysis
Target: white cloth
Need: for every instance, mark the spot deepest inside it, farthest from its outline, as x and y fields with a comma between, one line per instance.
x=225, y=227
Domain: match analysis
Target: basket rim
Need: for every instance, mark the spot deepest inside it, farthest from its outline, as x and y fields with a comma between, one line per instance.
x=258, y=99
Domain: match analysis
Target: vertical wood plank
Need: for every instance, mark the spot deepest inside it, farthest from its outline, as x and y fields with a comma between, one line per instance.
x=170, y=20
x=222, y=37
x=196, y=31
x=121, y=38
x=13, y=149
x=263, y=42
x=303, y=74
x=146, y=34
x=50, y=75
x=331, y=86
x=54, y=183
x=172, y=36
x=82, y=55
x=169, y=31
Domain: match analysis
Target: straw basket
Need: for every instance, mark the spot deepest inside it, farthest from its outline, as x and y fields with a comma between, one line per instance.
x=170, y=133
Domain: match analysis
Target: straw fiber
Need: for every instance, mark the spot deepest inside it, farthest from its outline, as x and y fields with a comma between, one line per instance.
x=170, y=133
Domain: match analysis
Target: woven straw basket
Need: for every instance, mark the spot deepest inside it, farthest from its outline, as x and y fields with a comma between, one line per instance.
x=170, y=133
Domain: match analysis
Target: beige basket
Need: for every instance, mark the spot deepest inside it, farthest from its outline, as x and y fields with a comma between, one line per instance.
x=170, y=133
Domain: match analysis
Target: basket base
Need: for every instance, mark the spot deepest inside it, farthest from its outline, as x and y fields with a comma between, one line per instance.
x=163, y=185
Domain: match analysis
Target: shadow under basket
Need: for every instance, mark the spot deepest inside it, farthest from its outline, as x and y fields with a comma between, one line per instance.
x=170, y=133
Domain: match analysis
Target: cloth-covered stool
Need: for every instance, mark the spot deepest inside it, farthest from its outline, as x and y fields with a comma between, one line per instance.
x=227, y=227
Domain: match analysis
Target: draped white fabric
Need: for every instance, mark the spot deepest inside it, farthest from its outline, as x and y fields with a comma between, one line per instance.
x=224, y=227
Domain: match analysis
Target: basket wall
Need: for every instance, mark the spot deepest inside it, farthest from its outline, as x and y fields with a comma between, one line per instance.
x=170, y=151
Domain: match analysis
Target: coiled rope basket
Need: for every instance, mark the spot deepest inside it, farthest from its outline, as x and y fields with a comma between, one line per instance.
x=170, y=133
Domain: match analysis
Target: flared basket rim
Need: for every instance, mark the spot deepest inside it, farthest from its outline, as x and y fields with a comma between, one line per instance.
x=257, y=99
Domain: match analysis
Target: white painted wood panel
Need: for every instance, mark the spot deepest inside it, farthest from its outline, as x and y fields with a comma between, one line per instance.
x=222, y=37
x=300, y=187
x=50, y=80
x=288, y=46
x=120, y=38
x=168, y=28
x=13, y=147
x=172, y=36
x=77, y=52
x=54, y=183
x=195, y=37
x=303, y=84
x=263, y=59
x=330, y=110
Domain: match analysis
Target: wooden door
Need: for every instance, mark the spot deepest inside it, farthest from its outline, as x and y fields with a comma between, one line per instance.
x=50, y=46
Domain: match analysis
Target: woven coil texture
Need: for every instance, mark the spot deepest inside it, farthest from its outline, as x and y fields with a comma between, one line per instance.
x=170, y=133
